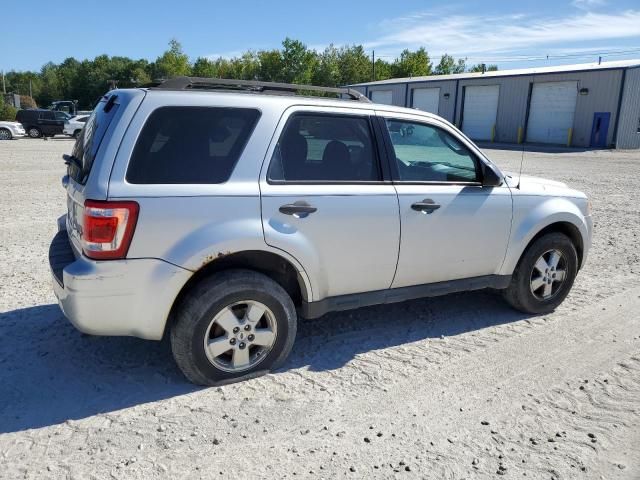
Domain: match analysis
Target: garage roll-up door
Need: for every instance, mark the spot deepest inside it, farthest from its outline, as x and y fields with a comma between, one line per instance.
x=427, y=99
x=480, y=111
x=551, y=112
x=382, y=96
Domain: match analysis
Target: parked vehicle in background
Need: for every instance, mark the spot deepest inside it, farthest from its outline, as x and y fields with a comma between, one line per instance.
x=9, y=130
x=220, y=216
x=67, y=106
x=40, y=122
x=74, y=125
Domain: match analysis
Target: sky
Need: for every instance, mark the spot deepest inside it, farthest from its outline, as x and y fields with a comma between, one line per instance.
x=509, y=34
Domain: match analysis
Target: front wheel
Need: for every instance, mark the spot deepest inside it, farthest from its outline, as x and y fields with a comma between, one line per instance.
x=76, y=134
x=235, y=325
x=5, y=134
x=544, y=276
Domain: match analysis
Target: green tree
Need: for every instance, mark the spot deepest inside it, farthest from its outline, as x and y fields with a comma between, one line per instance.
x=384, y=69
x=412, y=64
x=271, y=63
x=7, y=112
x=354, y=65
x=50, y=90
x=298, y=62
x=173, y=62
x=327, y=71
x=448, y=65
x=203, y=67
x=483, y=66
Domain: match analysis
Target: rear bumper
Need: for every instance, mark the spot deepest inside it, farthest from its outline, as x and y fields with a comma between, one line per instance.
x=117, y=297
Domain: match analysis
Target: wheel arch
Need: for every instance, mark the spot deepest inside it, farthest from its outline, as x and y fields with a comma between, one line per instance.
x=273, y=265
x=566, y=227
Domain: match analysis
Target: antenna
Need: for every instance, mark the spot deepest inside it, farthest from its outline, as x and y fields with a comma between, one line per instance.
x=521, y=162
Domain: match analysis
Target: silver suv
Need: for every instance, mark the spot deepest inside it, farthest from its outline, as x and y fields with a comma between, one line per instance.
x=220, y=211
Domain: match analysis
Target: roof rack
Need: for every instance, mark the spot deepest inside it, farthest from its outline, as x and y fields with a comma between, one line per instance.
x=200, y=83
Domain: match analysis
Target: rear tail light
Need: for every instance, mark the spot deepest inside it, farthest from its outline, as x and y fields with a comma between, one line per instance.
x=108, y=228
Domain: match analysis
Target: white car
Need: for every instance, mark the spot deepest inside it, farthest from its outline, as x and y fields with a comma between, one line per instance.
x=9, y=130
x=74, y=125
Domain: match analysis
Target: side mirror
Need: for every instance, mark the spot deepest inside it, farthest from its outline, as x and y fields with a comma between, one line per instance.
x=491, y=176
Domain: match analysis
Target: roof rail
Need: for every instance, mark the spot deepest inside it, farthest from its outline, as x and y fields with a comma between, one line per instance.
x=200, y=83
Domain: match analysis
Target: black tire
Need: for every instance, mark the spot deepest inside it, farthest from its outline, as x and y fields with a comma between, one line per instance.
x=34, y=132
x=76, y=134
x=5, y=134
x=211, y=296
x=519, y=292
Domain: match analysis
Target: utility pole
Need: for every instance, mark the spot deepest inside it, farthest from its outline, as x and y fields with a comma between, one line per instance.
x=30, y=92
x=373, y=64
x=4, y=87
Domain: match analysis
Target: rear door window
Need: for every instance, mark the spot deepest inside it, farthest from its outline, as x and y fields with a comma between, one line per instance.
x=88, y=143
x=325, y=148
x=190, y=145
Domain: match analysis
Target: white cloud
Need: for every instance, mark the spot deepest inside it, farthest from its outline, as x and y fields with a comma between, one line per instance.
x=477, y=35
x=587, y=4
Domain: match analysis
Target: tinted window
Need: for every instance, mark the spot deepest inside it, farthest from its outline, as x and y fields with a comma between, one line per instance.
x=88, y=143
x=48, y=115
x=191, y=145
x=427, y=153
x=325, y=148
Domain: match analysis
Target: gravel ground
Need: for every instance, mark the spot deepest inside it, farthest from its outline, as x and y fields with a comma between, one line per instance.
x=453, y=387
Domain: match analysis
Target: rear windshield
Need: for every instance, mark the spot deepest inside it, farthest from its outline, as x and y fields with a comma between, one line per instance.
x=190, y=145
x=87, y=145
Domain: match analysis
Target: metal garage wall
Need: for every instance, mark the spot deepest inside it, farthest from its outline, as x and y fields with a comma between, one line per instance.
x=629, y=124
x=604, y=90
x=447, y=105
x=480, y=111
x=552, y=111
x=604, y=93
x=512, y=104
x=603, y=85
x=399, y=91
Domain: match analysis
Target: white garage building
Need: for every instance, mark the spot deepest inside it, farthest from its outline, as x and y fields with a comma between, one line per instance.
x=586, y=105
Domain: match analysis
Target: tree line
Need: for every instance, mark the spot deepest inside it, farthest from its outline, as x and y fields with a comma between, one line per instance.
x=294, y=62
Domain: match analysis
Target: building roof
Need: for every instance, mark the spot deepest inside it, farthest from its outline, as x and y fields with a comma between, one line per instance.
x=510, y=73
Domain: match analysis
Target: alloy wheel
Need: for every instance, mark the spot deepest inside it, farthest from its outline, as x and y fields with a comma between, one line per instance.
x=548, y=275
x=240, y=336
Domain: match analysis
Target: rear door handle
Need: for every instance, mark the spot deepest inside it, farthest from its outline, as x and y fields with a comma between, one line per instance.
x=298, y=209
x=426, y=206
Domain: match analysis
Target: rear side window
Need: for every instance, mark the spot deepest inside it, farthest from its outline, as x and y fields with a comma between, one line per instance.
x=190, y=145
x=87, y=145
x=325, y=148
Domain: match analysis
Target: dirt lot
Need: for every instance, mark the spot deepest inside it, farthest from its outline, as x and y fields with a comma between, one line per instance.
x=455, y=387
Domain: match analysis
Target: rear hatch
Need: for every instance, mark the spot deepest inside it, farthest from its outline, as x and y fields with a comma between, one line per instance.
x=86, y=154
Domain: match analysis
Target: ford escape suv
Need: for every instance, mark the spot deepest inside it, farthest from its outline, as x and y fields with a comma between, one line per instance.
x=219, y=211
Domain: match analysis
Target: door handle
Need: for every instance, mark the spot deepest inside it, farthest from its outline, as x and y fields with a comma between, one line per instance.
x=298, y=209
x=426, y=206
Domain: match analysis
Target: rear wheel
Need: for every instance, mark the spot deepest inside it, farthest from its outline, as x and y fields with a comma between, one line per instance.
x=5, y=134
x=544, y=276
x=235, y=325
x=76, y=134
x=34, y=132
